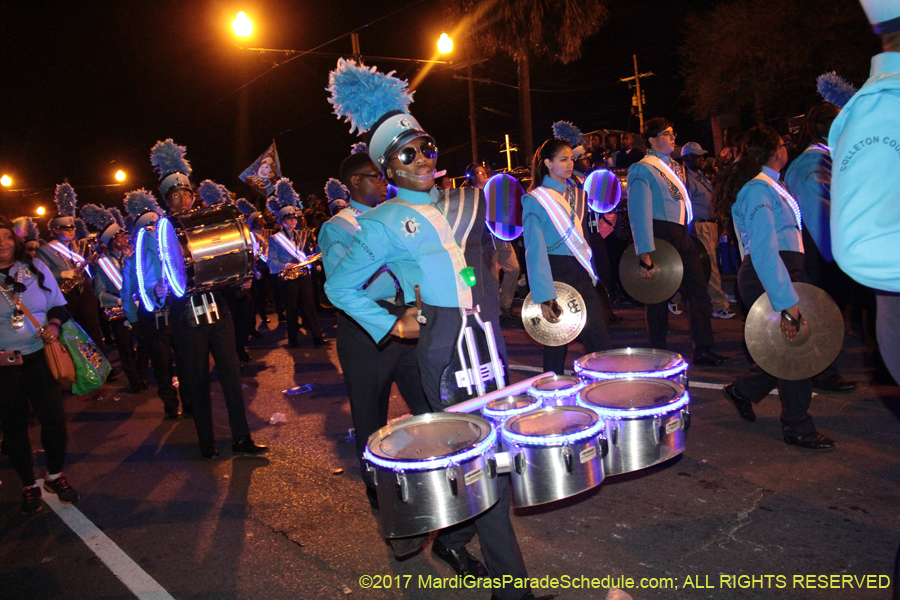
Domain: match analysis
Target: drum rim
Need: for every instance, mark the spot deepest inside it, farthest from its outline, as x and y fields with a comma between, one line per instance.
x=491, y=413
x=554, y=439
x=680, y=399
x=679, y=367
x=480, y=448
x=557, y=393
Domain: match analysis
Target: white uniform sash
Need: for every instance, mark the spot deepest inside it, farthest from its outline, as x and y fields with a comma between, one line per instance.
x=288, y=245
x=785, y=195
x=111, y=271
x=670, y=176
x=556, y=206
x=349, y=215
x=70, y=254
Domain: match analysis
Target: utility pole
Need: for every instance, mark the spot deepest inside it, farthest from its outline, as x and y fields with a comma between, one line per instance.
x=637, y=101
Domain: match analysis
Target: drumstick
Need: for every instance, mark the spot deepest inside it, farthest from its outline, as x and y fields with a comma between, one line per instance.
x=419, y=317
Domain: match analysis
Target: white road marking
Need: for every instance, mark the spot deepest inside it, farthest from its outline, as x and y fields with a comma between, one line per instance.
x=135, y=578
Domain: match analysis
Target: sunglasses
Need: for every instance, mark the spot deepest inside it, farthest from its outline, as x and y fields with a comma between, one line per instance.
x=17, y=287
x=377, y=176
x=427, y=149
x=67, y=227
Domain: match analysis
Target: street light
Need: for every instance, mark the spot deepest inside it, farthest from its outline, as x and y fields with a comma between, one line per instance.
x=445, y=44
x=6, y=181
x=120, y=175
x=242, y=25
x=40, y=211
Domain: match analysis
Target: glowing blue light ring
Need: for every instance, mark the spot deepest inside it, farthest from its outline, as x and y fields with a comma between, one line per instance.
x=149, y=305
x=555, y=439
x=487, y=224
x=443, y=462
x=679, y=368
x=165, y=254
x=559, y=393
x=625, y=413
x=505, y=414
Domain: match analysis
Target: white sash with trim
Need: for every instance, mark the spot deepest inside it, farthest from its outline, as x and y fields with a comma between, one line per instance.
x=288, y=245
x=786, y=196
x=111, y=271
x=556, y=206
x=669, y=174
x=349, y=215
x=70, y=254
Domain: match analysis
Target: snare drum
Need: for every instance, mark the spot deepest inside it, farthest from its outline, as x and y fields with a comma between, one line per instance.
x=646, y=420
x=498, y=411
x=205, y=249
x=557, y=390
x=432, y=471
x=554, y=452
x=627, y=363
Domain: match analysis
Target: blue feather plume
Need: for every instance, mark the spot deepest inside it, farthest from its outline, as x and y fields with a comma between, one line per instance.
x=140, y=201
x=96, y=216
x=360, y=95
x=285, y=194
x=81, y=230
x=117, y=216
x=567, y=131
x=168, y=157
x=212, y=193
x=128, y=225
x=335, y=190
x=359, y=148
x=245, y=207
x=835, y=89
x=272, y=204
x=65, y=200
x=26, y=228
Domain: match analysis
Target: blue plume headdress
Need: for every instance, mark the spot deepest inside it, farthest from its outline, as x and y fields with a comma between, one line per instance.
x=213, y=193
x=141, y=201
x=96, y=216
x=359, y=148
x=360, y=95
x=245, y=207
x=65, y=200
x=26, y=229
x=167, y=157
x=335, y=190
x=81, y=230
x=567, y=131
x=117, y=215
x=129, y=224
x=835, y=89
x=284, y=200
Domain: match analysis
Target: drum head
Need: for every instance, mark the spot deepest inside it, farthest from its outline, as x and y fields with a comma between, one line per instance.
x=510, y=403
x=603, y=190
x=172, y=258
x=629, y=395
x=641, y=362
x=556, y=383
x=429, y=436
x=504, y=206
x=552, y=421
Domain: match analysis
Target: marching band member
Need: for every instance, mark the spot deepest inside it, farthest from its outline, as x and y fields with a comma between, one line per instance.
x=287, y=248
x=768, y=221
x=200, y=324
x=149, y=320
x=260, y=285
x=659, y=207
x=68, y=260
x=555, y=248
x=27, y=231
x=412, y=237
x=108, y=283
x=369, y=368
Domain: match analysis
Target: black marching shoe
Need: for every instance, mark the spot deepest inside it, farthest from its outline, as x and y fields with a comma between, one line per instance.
x=810, y=441
x=209, y=452
x=832, y=382
x=245, y=445
x=31, y=500
x=743, y=405
x=460, y=561
x=172, y=414
x=707, y=358
x=187, y=412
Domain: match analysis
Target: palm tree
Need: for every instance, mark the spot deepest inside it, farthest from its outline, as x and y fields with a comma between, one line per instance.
x=522, y=29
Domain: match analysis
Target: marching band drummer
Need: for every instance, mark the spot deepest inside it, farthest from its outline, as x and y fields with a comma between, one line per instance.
x=108, y=283
x=768, y=221
x=287, y=248
x=555, y=248
x=659, y=207
x=259, y=285
x=200, y=324
x=369, y=368
x=410, y=235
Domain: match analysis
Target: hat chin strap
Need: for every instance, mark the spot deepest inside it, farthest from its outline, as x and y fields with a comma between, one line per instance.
x=422, y=178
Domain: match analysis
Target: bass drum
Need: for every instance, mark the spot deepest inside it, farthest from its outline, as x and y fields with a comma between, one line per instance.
x=205, y=249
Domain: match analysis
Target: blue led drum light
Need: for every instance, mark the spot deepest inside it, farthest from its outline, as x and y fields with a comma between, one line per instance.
x=165, y=255
x=149, y=305
x=500, y=415
x=679, y=367
x=554, y=439
x=559, y=393
x=443, y=462
x=625, y=413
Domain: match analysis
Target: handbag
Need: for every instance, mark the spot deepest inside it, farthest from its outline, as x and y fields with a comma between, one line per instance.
x=58, y=359
x=91, y=366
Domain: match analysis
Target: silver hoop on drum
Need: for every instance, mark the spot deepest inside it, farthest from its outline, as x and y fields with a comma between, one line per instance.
x=645, y=420
x=628, y=363
x=554, y=452
x=432, y=471
x=558, y=390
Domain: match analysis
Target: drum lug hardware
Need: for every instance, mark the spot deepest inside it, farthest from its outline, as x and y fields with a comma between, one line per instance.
x=657, y=433
x=453, y=480
x=685, y=419
x=604, y=446
x=492, y=467
x=370, y=474
x=402, y=487
x=518, y=460
x=614, y=434
x=567, y=458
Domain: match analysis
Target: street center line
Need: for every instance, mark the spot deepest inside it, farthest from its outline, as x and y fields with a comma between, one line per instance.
x=126, y=570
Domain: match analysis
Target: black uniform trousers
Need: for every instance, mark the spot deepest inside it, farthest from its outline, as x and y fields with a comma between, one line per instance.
x=369, y=370
x=795, y=395
x=83, y=306
x=135, y=367
x=156, y=337
x=259, y=289
x=31, y=382
x=693, y=288
x=241, y=307
x=276, y=294
x=594, y=336
x=297, y=295
x=193, y=345
x=499, y=546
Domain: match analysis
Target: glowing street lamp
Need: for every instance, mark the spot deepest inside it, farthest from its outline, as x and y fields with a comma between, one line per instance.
x=120, y=175
x=242, y=25
x=40, y=211
x=445, y=44
x=6, y=181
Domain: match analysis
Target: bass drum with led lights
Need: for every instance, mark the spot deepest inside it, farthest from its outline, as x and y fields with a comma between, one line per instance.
x=205, y=249
x=432, y=471
x=645, y=420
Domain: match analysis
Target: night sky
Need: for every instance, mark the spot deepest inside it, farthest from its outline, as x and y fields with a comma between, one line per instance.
x=89, y=87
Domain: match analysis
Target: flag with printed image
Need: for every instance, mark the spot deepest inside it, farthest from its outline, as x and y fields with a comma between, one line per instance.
x=265, y=171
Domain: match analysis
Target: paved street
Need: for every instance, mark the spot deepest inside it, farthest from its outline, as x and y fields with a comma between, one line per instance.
x=297, y=525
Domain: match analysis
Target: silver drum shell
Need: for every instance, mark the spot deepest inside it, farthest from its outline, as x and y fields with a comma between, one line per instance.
x=557, y=390
x=619, y=363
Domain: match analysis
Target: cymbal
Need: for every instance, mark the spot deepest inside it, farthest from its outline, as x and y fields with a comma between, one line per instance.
x=665, y=278
x=817, y=345
x=571, y=321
